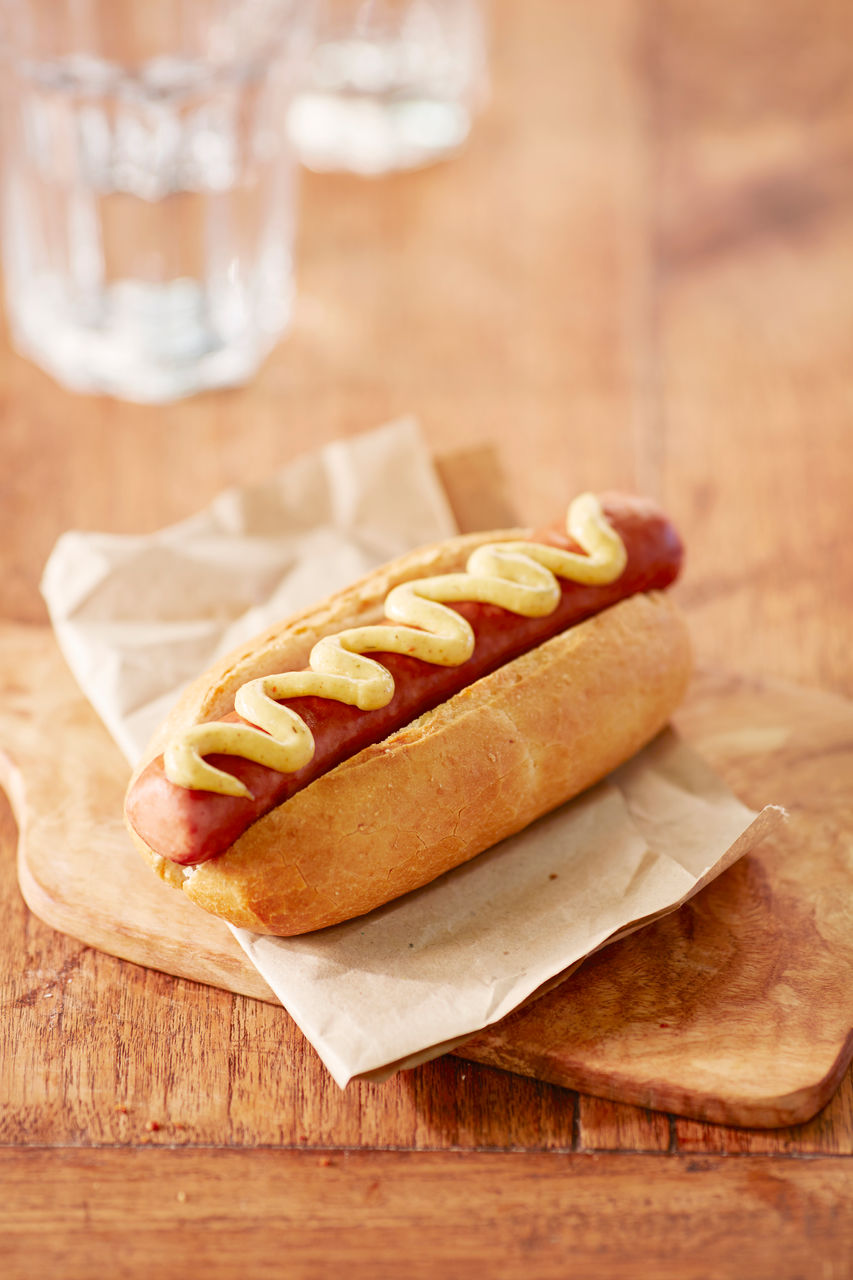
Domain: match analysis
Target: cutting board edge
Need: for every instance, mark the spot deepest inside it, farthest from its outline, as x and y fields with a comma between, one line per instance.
x=128, y=945
x=120, y=942
x=745, y=1112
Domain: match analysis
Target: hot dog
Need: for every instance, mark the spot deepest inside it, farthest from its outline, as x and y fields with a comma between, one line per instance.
x=450, y=699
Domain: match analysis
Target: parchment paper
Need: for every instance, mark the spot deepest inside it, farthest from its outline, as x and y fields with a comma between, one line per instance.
x=136, y=617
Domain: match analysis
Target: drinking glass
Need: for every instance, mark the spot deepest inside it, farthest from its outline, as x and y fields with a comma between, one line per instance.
x=148, y=187
x=390, y=84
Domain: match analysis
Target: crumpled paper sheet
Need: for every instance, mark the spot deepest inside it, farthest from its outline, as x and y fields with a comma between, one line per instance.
x=137, y=617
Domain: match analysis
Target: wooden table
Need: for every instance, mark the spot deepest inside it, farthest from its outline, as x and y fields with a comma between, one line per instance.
x=639, y=274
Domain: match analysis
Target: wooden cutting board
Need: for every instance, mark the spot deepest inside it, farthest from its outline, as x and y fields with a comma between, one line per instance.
x=737, y=1008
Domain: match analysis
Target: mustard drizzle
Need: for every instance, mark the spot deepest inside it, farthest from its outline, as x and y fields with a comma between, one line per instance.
x=518, y=576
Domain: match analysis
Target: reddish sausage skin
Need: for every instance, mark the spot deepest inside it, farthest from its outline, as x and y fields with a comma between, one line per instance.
x=189, y=827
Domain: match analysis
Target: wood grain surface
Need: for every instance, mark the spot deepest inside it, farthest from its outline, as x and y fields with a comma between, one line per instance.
x=591, y=1215
x=739, y=1008
x=639, y=273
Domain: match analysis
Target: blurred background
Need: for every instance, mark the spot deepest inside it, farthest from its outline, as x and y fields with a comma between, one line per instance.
x=613, y=239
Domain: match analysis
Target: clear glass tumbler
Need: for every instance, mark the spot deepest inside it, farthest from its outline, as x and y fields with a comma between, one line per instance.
x=148, y=187
x=390, y=84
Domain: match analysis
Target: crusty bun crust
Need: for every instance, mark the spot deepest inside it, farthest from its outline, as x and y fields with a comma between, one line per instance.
x=478, y=768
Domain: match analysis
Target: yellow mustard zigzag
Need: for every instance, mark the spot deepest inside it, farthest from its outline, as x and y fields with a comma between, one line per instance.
x=518, y=576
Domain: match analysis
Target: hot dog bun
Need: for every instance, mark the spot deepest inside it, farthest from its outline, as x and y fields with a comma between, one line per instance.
x=479, y=767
